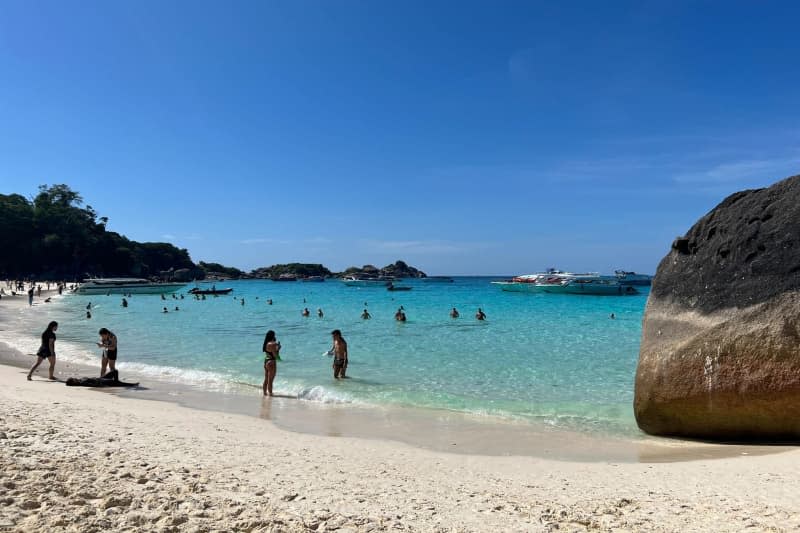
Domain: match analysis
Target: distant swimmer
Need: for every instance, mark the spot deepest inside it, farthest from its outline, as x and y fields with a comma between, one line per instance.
x=269, y=302
x=306, y=312
x=454, y=313
x=165, y=310
x=181, y=296
x=365, y=315
x=163, y=297
x=108, y=342
x=88, y=306
x=480, y=315
x=339, y=354
x=88, y=314
x=319, y=312
x=400, y=315
x=124, y=302
x=271, y=349
x=242, y=301
x=612, y=316
x=46, y=351
x=177, y=308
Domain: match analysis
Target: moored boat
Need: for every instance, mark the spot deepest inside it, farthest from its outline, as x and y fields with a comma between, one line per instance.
x=126, y=286
x=210, y=292
x=632, y=278
x=557, y=282
x=315, y=279
x=366, y=281
x=595, y=285
x=285, y=277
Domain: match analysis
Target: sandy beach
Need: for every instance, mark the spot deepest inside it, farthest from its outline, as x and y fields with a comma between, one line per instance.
x=78, y=459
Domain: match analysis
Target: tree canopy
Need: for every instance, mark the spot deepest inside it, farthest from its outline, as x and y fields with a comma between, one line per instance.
x=56, y=236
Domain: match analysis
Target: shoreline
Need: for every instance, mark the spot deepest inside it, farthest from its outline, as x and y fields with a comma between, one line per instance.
x=75, y=459
x=172, y=458
x=424, y=428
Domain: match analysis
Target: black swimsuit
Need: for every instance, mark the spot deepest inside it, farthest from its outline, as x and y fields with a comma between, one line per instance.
x=44, y=349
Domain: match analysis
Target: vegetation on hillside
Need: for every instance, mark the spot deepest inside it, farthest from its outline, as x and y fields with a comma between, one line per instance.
x=55, y=236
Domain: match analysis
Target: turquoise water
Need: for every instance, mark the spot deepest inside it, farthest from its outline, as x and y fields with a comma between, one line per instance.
x=551, y=359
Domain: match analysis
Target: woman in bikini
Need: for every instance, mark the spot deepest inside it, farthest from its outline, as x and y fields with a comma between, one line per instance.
x=47, y=350
x=271, y=349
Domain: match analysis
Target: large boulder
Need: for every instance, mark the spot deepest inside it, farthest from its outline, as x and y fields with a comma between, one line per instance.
x=720, y=352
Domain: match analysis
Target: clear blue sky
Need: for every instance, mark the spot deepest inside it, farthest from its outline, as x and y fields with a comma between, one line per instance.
x=463, y=137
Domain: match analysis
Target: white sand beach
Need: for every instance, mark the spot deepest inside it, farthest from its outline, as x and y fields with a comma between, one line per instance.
x=75, y=459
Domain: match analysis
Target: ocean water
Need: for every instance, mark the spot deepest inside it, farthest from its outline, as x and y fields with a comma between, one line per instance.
x=555, y=360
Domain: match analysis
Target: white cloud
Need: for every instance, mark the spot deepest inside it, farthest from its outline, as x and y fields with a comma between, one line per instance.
x=743, y=170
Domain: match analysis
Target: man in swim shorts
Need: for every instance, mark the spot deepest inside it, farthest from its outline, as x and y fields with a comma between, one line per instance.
x=339, y=354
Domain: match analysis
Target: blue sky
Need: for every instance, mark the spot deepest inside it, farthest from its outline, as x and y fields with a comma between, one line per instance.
x=462, y=137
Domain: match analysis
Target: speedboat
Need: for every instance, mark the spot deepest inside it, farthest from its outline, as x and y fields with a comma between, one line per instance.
x=367, y=281
x=594, y=285
x=558, y=282
x=537, y=281
x=632, y=278
x=210, y=292
x=125, y=286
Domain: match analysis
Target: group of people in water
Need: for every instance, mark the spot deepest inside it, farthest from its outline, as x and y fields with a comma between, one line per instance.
x=271, y=346
x=272, y=350
x=47, y=350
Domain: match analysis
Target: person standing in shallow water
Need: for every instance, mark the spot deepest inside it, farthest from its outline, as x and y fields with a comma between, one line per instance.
x=271, y=349
x=47, y=350
x=108, y=342
x=339, y=354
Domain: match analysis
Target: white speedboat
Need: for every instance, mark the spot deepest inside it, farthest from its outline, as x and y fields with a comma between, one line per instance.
x=367, y=281
x=537, y=281
x=126, y=286
x=557, y=282
x=593, y=285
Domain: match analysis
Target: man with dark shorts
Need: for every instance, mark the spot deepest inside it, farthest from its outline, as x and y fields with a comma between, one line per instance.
x=108, y=342
x=339, y=354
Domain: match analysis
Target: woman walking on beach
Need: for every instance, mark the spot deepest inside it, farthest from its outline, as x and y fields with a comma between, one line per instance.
x=271, y=349
x=47, y=350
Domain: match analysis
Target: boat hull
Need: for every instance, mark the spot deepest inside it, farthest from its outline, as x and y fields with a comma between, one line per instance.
x=599, y=289
x=510, y=286
x=366, y=283
x=121, y=288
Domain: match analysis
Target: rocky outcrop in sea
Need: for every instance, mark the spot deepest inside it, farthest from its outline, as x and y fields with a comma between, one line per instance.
x=720, y=351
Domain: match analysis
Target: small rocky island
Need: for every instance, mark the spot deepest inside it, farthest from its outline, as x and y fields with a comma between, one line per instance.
x=398, y=269
x=720, y=351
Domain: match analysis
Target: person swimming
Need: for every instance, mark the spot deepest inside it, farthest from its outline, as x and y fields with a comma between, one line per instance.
x=165, y=310
x=480, y=315
x=124, y=302
x=365, y=315
x=306, y=312
x=319, y=312
x=454, y=313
